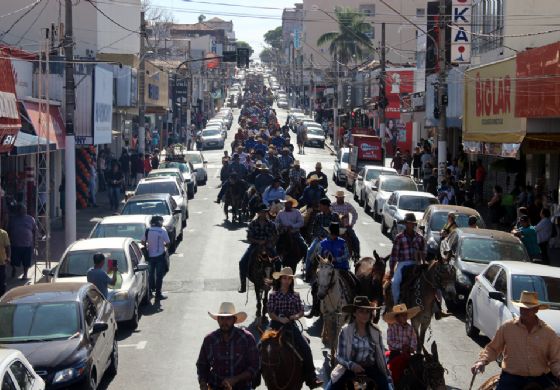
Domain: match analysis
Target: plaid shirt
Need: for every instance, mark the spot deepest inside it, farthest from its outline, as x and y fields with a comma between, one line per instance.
x=362, y=351
x=399, y=336
x=285, y=161
x=219, y=359
x=258, y=231
x=405, y=247
x=322, y=221
x=345, y=209
x=284, y=304
x=296, y=175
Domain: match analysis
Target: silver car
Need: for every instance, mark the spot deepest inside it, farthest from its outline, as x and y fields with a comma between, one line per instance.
x=315, y=137
x=341, y=166
x=196, y=158
x=211, y=139
x=382, y=189
x=188, y=178
x=166, y=185
x=131, y=289
x=365, y=179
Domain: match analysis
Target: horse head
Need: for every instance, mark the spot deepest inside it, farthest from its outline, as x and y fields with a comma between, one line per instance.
x=325, y=277
x=444, y=277
x=433, y=372
x=380, y=263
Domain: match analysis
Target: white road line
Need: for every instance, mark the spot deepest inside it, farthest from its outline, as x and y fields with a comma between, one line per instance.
x=178, y=255
x=139, y=345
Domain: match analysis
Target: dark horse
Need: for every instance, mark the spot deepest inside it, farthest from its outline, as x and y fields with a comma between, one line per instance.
x=289, y=250
x=282, y=365
x=424, y=371
x=260, y=274
x=234, y=198
x=370, y=272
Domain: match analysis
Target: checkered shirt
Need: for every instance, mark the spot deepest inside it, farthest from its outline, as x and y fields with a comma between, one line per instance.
x=399, y=336
x=258, y=231
x=405, y=247
x=345, y=209
x=284, y=304
x=322, y=221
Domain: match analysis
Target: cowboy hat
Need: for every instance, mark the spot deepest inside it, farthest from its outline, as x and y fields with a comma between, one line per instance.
x=334, y=228
x=296, y=162
x=410, y=218
x=286, y=271
x=262, y=208
x=530, y=300
x=360, y=302
x=391, y=317
x=293, y=201
x=227, y=309
x=339, y=194
x=313, y=178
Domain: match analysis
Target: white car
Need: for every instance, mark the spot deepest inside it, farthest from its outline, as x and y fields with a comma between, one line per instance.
x=211, y=138
x=16, y=372
x=282, y=103
x=199, y=164
x=315, y=137
x=489, y=304
x=401, y=203
x=166, y=185
x=341, y=166
x=188, y=178
x=382, y=189
x=365, y=179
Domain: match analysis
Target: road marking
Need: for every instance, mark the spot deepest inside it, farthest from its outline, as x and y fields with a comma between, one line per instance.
x=139, y=345
x=178, y=255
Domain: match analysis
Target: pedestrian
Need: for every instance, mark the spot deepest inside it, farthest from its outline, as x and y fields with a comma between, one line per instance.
x=397, y=161
x=21, y=230
x=4, y=259
x=450, y=226
x=528, y=236
x=124, y=161
x=92, y=184
x=544, y=233
x=405, y=170
x=417, y=163
x=154, y=162
x=228, y=358
x=98, y=277
x=156, y=240
x=473, y=222
x=480, y=177
x=101, y=169
x=147, y=164
x=140, y=167
x=115, y=181
x=497, y=210
x=529, y=347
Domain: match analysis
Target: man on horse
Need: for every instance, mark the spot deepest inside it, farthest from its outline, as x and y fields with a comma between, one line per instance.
x=296, y=177
x=290, y=221
x=237, y=167
x=228, y=358
x=274, y=192
x=530, y=348
x=312, y=194
x=344, y=210
x=263, y=179
x=323, y=180
x=236, y=184
x=286, y=160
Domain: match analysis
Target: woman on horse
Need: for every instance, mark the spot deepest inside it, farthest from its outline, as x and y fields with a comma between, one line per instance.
x=401, y=339
x=285, y=307
x=360, y=348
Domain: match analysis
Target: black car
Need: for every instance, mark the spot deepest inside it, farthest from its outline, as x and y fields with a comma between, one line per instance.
x=67, y=331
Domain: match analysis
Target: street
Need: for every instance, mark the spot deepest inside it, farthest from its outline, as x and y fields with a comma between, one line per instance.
x=204, y=272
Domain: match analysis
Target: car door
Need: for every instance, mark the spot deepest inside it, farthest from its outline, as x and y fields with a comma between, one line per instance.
x=23, y=376
x=499, y=309
x=97, y=341
x=481, y=306
x=137, y=285
x=8, y=383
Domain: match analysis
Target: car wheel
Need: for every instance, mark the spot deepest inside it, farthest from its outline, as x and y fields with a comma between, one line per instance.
x=91, y=381
x=114, y=360
x=375, y=214
x=135, y=320
x=472, y=331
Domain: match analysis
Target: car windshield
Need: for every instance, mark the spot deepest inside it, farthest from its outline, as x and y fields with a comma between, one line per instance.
x=210, y=133
x=174, y=164
x=415, y=203
x=398, y=184
x=132, y=230
x=438, y=220
x=315, y=131
x=148, y=207
x=160, y=187
x=194, y=158
x=29, y=322
x=77, y=263
x=482, y=250
x=547, y=288
x=164, y=174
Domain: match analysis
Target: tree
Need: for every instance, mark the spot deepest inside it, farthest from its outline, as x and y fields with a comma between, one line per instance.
x=244, y=44
x=274, y=38
x=268, y=55
x=201, y=18
x=159, y=23
x=350, y=42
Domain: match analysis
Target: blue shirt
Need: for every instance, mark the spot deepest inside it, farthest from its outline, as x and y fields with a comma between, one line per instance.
x=99, y=279
x=156, y=238
x=529, y=239
x=338, y=250
x=311, y=195
x=261, y=148
x=271, y=194
x=250, y=144
x=278, y=142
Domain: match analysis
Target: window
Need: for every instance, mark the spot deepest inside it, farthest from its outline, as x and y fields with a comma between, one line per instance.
x=133, y=256
x=137, y=251
x=7, y=383
x=23, y=377
x=501, y=283
x=367, y=9
x=487, y=18
x=97, y=299
x=491, y=273
x=420, y=12
x=90, y=312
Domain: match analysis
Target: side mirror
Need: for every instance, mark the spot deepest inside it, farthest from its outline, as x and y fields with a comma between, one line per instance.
x=176, y=211
x=141, y=267
x=48, y=272
x=205, y=161
x=99, y=327
x=497, y=295
x=360, y=177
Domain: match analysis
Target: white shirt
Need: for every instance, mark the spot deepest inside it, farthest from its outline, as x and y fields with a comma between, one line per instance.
x=544, y=230
x=405, y=170
x=157, y=237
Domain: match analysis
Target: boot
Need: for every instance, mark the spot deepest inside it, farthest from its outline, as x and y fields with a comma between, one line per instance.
x=316, y=307
x=438, y=311
x=243, y=287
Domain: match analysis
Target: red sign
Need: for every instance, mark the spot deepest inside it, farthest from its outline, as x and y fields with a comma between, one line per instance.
x=493, y=97
x=397, y=82
x=10, y=121
x=369, y=147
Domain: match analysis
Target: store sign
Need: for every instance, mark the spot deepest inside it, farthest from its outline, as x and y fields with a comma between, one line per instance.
x=297, y=39
x=461, y=31
x=102, y=105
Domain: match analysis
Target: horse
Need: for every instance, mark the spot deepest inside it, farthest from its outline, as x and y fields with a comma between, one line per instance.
x=334, y=291
x=260, y=273
x=424, y=371
x=281, y=364
x=421, y=287
x=289, y=250
x=492, y=382
x=370, y=272
x=234, y=198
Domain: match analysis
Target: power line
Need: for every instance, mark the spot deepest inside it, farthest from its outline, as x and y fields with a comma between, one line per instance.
x=111, y=19
x=21, y=9
x=20, y=18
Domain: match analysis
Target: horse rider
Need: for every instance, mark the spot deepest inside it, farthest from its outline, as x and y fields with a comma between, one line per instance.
x=278, y=140
x=344, y=210
x=530, y=348
x=272, y=161
x=238, y=184
x=335, y=247
x=360, y=348
x=228, y=357
x=323, y=180
x=286, y=160
x=312, y=194
x=225, y=170
x=296, y=176
x=285, y=307
x=409, y=248
x=274, y=192
x=401, y=339
x=263, y=179
x=290, y=220
x=261, y=234
x=237, y=167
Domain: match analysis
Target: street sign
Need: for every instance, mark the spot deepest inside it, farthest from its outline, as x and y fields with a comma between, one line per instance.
x=181, y=89
x=461, y=32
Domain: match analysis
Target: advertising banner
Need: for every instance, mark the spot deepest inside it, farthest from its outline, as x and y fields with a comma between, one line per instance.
x=461, y=31
x=102, y=105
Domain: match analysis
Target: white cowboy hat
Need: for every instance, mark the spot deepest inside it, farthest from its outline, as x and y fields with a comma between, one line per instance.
x=530, y=300
x=313, y=178
x=390, y=317
x=286, y=271
x=293, y=201
x=227, y=309
x=339, y=194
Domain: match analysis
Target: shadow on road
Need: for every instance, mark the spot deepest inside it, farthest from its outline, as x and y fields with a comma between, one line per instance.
x=232, y=226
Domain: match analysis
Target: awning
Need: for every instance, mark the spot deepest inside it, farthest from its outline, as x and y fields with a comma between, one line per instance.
x=56, y=129
x=29, y=144
x=10, y=121
x=538, y=143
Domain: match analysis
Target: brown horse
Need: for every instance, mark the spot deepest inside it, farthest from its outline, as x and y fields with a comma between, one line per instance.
x=424, y=371
x=289, y=250
x=419, y=287
x=234, y=199
x=282, y=364
x=260, y=274
x=370, y=272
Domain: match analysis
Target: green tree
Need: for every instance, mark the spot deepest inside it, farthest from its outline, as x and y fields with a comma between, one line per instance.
x=268, y=55
x=201, y=18
x=244, y=44
x=351, y=42
x=274, y=37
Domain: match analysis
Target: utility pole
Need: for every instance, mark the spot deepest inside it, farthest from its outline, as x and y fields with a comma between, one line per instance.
x=337, y=101
x=142, y=87
x=442, y=93
x=382, y=93
x=189, y=87
x=70, y=147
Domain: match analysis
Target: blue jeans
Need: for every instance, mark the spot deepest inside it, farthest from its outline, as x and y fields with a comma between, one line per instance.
x=157, y=270
x=397, y=279
x=371, y=372
x=355, y=242
x=114, y=197
x=309, y=256
x=509, y=381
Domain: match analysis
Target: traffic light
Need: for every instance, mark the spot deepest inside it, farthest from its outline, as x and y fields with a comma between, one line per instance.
x=243, y=55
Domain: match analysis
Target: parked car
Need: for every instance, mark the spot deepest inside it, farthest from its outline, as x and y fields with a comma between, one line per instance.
x=489, y=304
x=196, y=158
x=470, y=250
x=158, y=204
x=315, y=137
x=166, y=185
x=401, y=203
x=435, y=218
x=282, y=103
x=188, y=178
x=382, y=189
x=341, y=166
x=133, y=226
x=128, y=294
x=67, y=331
x=16, y=373
x=365, y=179
x=211, y=139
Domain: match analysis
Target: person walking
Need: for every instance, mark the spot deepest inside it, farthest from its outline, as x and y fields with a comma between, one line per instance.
x=98, y=277
x=528, y=236
x=124, y=161
x=544, y=233
x=92, y=185
x=156, y=240
x=21, y=230
x=228, y=357
x=4, y=259
x=115, y=181
x=529, y=347
x=480, y=177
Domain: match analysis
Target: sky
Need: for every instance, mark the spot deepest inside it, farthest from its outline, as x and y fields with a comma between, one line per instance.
x=251, y=18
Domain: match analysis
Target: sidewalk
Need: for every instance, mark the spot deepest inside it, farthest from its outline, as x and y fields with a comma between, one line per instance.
x=85, y=221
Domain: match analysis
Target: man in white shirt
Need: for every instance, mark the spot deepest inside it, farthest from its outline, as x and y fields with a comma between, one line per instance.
x=544, y=233
x=156, y=240
x=290, y=220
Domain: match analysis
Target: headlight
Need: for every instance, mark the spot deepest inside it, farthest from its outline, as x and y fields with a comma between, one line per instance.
x=462, y=278
x=120, y=296
x=69, y=374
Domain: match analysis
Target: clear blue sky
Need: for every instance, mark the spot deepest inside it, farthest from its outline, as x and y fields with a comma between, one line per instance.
x=251, y=18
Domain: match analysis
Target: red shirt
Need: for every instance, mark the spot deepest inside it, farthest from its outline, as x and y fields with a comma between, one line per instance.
x=147, y=166
x=480, y=174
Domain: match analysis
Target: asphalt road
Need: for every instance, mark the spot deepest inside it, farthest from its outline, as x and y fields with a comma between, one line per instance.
x=162, y=352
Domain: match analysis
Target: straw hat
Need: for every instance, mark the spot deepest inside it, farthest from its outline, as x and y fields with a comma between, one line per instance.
x=286, y=271
x=291, y=200
x=312, y=178
x=390, y=317
x=530, y=300
x=339, y=194
x=227, y=309
x=360, y=302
